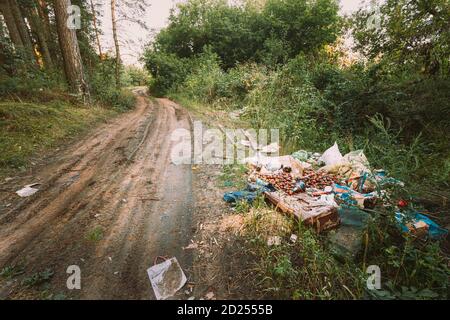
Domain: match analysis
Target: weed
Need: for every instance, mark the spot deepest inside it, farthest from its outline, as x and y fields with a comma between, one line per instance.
x=96, y=234
x=233, y=176
x=38, y=278
x=11, y=271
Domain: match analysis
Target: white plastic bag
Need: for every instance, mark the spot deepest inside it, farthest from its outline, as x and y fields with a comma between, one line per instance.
x=332, y=156
x=166, y=278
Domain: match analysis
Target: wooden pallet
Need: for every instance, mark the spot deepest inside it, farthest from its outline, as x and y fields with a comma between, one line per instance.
x=306, y=209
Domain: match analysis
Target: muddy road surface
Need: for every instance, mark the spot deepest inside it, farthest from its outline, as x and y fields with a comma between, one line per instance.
x=111, y=203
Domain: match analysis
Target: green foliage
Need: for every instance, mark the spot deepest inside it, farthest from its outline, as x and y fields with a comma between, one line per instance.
x=233, y=176
x=203, y=82
x=167, y=71
x=410, y=269
x=395, y=113
x=410, y=34
x=301, y=270
x=393, y=103
x=38, y=278
x=304, y=26
x=104, y=88
x=27, y=128
x=10, y=272
x=134, y=76
x=239, y=34
x=95, y=234
x=27, y=82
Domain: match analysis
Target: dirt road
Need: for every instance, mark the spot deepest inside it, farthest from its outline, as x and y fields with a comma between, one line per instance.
x=110, y=203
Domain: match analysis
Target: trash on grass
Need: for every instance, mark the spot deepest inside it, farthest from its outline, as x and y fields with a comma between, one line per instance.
x=332, y=156
x=191, y=246
x=236, y=196
x=347, y=240
x=420, y=225
x=354, y=198
x=305, y=208
x=166, y=278
x=209, y=296
x=274, y=241
x=28, y=190
x=323, y=190
x=293, y=238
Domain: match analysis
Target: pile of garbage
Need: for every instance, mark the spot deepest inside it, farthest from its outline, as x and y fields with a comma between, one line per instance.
x=327, y=191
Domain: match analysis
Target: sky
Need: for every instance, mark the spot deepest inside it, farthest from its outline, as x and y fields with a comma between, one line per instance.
x=156, y=17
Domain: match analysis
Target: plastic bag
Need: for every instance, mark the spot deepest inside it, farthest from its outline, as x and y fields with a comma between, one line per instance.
x=332, y=156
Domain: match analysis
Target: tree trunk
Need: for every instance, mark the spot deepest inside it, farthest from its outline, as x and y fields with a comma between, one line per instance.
x=22, y=27
x=116, y=42
x=42, y=8
x=2, y=48
x=97, y=36
x=70, y=50
x=14, y=33
x=37, y=27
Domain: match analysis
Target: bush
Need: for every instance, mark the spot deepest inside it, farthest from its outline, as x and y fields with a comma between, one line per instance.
x=134, y=76
x=167, y=71
x=104, y=91
x=204, y=80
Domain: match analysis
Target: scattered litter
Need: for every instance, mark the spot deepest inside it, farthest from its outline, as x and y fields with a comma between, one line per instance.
x=191, y=298
x=352, y=197
x=191, y=246
x=8, y=179
x=294, y=238
x=274, y=241
x=402, y=203
x=326, y=191
x=420, y=225
x=28, y=190
x=328, y=199
x=305, y=208
x=233, y=197
x=347, y=240
x=110, y=259
x=209, y=296
x=332, y=156
x=166, y=278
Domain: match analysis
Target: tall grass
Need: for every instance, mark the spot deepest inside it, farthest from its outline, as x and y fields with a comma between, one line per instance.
x=315, y=104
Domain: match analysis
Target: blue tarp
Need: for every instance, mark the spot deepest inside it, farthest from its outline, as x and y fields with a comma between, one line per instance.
x=434, y=230
x=250, y=193
x=233, y=197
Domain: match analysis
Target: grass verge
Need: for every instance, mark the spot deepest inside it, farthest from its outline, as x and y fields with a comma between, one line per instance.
x=30, y=128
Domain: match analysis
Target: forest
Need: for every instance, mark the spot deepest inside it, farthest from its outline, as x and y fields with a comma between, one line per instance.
x=376, y=80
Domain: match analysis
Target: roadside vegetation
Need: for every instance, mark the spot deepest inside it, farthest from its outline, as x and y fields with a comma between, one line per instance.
x=283, y=64
x=44, y=102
